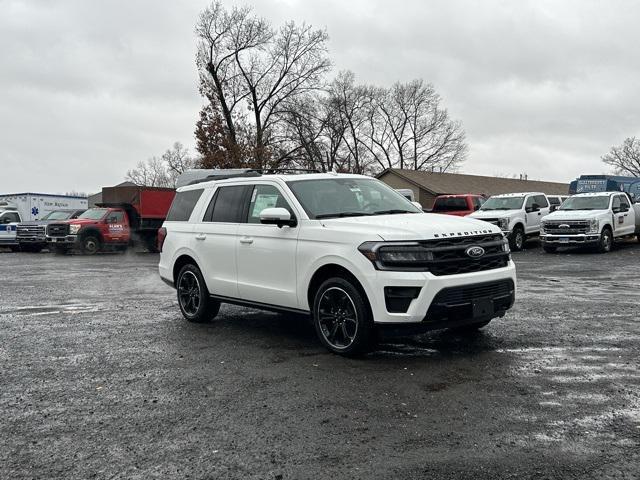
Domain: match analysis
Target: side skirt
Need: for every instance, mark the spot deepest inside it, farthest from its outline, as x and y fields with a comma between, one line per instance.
x=259, y=306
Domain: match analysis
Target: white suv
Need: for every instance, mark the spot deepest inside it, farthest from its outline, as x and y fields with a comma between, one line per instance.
x=347, y=250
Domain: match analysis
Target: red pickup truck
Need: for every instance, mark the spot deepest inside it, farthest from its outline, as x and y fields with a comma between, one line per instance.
x=126, y=216
x=459, y=205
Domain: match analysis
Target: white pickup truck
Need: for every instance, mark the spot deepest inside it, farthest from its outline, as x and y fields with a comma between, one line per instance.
x=596, y=219
x=517, y=214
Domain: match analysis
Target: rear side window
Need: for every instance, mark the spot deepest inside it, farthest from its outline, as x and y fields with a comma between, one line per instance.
x=227, y=205
x=183, y=205
x=541, y=200
x=554, y=200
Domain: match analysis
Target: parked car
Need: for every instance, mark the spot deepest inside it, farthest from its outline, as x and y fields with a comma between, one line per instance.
x=347, y=250
x=9, y=220
x=555, y=201
x=596, y=219
x=128, y=215
x=32, y=236
x=459, y=205
x=517, y=214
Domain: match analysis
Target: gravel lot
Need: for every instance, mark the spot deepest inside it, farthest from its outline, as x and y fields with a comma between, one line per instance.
x=101, y=378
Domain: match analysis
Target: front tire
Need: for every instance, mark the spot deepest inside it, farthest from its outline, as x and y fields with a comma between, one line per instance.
x=516, y=239
x=194, y=299
x=606, y=240
x=342, y=318
x=91, y=245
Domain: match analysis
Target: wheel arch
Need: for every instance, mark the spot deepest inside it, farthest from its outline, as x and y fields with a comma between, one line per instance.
x=329, y=270
x=83, y=233
x=181, y=261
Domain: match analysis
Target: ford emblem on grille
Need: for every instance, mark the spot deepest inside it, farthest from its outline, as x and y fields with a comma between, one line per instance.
x=564, y=225
x=474, y=251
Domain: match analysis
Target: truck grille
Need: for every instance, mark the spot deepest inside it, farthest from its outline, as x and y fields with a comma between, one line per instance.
x=494, y=221
x=558, y=227
x=450, y=255
x=30, y=231
x=58, y=230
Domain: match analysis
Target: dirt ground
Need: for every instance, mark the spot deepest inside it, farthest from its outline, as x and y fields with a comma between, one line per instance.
x=101, y=378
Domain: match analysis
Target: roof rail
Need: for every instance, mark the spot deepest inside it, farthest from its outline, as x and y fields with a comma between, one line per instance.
x=269, y=171
x=208, y=178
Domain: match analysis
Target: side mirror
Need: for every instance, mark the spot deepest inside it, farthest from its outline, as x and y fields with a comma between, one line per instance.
x=277, y=216
x=417, y=205
x=553, y=208
x=476, y=208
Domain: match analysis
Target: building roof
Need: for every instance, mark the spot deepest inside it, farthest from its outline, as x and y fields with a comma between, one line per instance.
x=449, y=183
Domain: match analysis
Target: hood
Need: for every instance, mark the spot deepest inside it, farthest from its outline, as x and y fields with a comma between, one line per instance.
x=412, y=226
x=39, y=222
x=575, y=214
x=494, y=213
x=81, y=221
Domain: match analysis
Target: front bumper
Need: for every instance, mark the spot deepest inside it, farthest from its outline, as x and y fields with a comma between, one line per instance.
x=8, y=242
x=579, y=239
x=429, y=308
x=66, y=240
x=33, y=239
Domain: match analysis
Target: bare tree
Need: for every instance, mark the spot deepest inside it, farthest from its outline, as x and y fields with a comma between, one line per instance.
x=625, y=158
x=151, y=173
x=244, y=61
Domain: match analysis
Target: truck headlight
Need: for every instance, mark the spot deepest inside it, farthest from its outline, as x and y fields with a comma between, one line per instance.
x=503, y=223
x=74, y=229
x=594, y=226
x=401, y=256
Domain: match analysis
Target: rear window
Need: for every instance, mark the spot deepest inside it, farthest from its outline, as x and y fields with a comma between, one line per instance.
x=227, y=205
x=183, y=204
x=450, y=204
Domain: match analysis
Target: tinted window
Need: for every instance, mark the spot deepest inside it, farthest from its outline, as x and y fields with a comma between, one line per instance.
x=10, y=217
x=554, y=200
x=450, y=204
x=265, y=196
x=541, y=200
x=183, y=204
x=94, y=214
x=624, y=202
x=227, y=205
x=116, y=217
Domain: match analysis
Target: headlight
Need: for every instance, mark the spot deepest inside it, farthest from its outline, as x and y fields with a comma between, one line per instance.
x=503, y=223
x=74, y=229
x=594, y=226
x=404, y=256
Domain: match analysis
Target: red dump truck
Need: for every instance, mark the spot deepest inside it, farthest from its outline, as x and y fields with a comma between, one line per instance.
x=127, y=215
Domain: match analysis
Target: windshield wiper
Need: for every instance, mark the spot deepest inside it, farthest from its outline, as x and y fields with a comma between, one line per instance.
x=342, y=214
x=392, y=211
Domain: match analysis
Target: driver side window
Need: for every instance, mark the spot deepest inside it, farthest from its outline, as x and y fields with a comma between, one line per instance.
x=530, y=202
x=616, y=202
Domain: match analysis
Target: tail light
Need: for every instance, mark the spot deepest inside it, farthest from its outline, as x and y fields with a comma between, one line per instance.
x=162, y=234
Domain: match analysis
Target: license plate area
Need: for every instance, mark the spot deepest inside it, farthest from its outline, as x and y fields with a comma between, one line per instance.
x=563, y=240
x=482, y=307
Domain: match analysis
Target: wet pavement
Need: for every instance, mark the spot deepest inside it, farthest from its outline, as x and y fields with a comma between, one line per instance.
x=101, y=378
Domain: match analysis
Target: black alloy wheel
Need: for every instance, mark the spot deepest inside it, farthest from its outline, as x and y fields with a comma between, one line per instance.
x=194, y=300
x=341, y=318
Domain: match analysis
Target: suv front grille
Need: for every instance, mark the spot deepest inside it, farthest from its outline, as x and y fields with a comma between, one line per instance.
x=557, y=227
x=450, y=255
x=58, y=229
x=30, y=231
x=457, y=302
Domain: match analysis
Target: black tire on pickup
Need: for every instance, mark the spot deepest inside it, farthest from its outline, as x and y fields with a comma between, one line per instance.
x=605, y=243
x=194, y=299
x=550, y=248
x=517, y=238
x=90, y=244
x=342, y=318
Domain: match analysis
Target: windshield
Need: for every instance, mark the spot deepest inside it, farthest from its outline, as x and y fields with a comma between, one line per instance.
x=586, y=203
x=450, y=204
x=59, y=215
x=349, y=197
x=94, y=214
x=503, y=203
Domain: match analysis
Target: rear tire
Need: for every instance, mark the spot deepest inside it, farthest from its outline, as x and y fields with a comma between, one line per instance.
x=342, y=318
x=606, y=240
x=549, y=249
x=517, y=239
x=194, y=299
x=91, y=245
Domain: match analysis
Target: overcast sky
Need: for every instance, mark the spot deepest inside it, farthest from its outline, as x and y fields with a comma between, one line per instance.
x=89, y=88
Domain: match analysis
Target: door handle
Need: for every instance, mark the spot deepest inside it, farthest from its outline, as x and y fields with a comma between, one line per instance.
x=246, y=240
x=201, y=236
